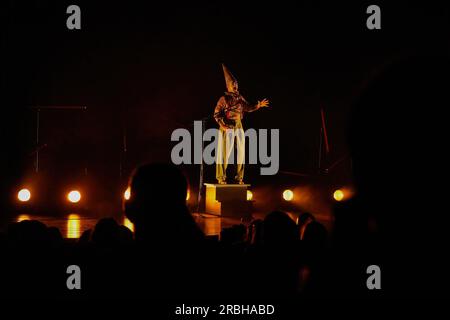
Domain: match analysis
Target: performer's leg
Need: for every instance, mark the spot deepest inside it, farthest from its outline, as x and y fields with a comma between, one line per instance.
x=240, y=145
x=220, y=156
x=228, y=147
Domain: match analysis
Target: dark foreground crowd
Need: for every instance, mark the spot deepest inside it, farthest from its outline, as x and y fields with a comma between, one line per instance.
x=169, y=257
x=398, y=221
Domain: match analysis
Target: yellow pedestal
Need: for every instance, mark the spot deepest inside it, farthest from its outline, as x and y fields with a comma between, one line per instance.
x=228, y=200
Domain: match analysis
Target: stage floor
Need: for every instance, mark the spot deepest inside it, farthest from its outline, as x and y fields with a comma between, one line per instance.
x=212, y=225
x=73, y=225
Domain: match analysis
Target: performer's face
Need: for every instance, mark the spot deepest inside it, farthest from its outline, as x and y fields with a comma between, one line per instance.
x=233, y=87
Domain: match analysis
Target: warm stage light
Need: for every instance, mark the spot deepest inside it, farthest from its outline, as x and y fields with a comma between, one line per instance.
x=24, y=195
x=249, y=195
x=23, y=217
x=74, y=196
x=127, y=194
x=288, y=195
x=127, y=223
x=338, y=195
x=73, y=226
x=188, y=195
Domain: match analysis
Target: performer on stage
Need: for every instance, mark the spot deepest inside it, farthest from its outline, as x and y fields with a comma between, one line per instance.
x=228, y=114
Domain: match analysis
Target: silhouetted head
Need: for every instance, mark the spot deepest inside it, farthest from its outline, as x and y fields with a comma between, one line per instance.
x=85, y=237
x=155, y=186
x=279, y=228
x=157, y=204
x=305, y=218
x=29, y=234
x=315, y=234
x=106, y=232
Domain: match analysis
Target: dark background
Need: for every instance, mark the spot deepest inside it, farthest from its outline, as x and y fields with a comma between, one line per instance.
x=144, y=70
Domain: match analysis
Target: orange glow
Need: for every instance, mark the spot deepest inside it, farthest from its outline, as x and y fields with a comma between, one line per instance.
x=74, y=196
x=24, y=195
x=338, y=195
x=23, y=217
x=73, y=226
x=288, y=195
x=127, y=223
x=212, y=205
x=249, y=195
x=188, y=195
x=127, y=194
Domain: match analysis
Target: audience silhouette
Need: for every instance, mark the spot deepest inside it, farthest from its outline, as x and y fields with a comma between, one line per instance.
x=396, y=132
x=394, y=221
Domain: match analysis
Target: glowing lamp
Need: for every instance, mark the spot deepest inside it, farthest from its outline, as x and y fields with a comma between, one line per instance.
x=24, y=195
x=338, y=195
x=74, y=196
x=127, y=194
x=288, y=195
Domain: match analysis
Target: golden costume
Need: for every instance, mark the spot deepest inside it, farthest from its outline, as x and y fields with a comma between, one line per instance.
x=228, y=114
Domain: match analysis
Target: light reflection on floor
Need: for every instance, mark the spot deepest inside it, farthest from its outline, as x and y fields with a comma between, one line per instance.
x=72, y=225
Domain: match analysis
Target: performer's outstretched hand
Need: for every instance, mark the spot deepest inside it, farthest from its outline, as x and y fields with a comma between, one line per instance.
x=263, y=103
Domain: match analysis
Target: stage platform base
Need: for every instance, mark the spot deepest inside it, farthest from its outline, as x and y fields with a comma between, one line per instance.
x=228, y=200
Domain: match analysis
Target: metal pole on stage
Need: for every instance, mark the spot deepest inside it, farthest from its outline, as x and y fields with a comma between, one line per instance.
x=200, y=186
x=38, y=124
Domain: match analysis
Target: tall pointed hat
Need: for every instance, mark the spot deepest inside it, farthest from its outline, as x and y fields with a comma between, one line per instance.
x=229, y=78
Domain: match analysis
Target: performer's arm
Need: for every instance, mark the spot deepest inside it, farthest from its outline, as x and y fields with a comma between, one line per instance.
x=260, y=104
x=219, y=112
